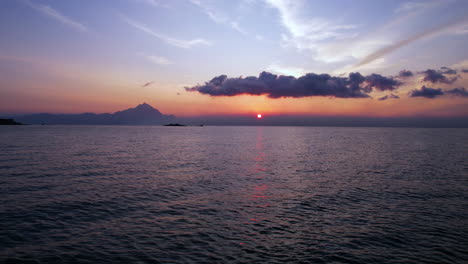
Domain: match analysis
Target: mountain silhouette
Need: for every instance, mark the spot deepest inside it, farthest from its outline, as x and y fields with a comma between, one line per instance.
x=143, y=114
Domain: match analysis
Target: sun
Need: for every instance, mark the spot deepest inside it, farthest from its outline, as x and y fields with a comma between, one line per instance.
x=259, y=116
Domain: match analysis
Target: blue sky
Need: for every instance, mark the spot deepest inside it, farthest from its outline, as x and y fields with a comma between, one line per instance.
x=77, y=51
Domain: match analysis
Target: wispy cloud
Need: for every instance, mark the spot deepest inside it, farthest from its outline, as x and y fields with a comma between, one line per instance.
x=421, y=35
x=306, y=33
x=169, y=40
x=461, y=29
x=213, y=14
x=153, y=2
x=412, y=6
x=158, y=60
x=235, y=26
x=55, y=14
x=289, y=71
x=218, y=17
x=333, y=42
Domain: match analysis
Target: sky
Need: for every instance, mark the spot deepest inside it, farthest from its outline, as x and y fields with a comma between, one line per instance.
x=200, y=57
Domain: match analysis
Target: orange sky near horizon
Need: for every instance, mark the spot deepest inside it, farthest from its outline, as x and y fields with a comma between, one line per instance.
x=194, y=104
x=59, y=88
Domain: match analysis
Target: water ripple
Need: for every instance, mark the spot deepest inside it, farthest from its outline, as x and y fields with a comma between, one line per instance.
x=233, y=194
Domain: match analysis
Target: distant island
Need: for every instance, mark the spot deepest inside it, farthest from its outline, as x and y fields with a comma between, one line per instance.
x=9, y=122
x=143, y=114
x=174, y=124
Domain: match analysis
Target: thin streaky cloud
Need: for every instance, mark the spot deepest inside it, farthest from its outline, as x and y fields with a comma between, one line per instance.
x=310, y=28
x=169, y=40
x=307, y=33
x=399, y=44
x=411, y=6
x=238, y=28
x=218, y=17
x=461, y=29
x=55, y=14
x=214, y=15
x=158, y=60
x=365, y=43
x=147, y=84
x=153, y=3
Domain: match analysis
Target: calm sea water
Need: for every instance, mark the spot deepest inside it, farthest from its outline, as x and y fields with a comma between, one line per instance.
x=233, y=195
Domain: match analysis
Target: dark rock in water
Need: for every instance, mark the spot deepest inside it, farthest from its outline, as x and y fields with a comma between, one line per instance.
x=174, y=125
x=9, y=122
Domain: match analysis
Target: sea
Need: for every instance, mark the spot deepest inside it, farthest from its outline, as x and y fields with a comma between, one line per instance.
x=233, y=194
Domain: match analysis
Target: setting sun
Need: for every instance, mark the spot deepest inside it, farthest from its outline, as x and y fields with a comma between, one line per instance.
x=259, y=116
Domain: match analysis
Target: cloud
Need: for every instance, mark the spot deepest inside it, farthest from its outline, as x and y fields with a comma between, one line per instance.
x=434, y=76
x=432, y=93
x=169, y=40
x=158, y=60
x=364, y=43
x=214, y=15
x=405, y=73
x=306, y=33
x=147, y=84
x=399, y=44
x=218, y=17
x=461, y=30
x=154, y=3
x=464, y=70
x=426, y=92
x=55, y=14
x=381, y=83
x=462, y=92
x=446, y=70
x=389, y=96
x=236, y=26
x=275, y=86
x=285, y=70
x=411, y=6
x=355, y=85
x=460, y=65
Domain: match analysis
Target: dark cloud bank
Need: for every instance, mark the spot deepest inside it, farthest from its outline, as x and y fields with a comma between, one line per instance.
x=355, y=85
x=434, y=92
